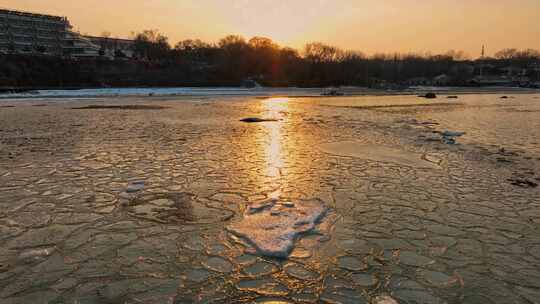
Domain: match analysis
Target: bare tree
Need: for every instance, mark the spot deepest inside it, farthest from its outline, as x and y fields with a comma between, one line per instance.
x=151, y=45
x=506, y=54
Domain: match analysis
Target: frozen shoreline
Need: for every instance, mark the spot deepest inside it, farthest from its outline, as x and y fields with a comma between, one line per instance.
x=256, y=92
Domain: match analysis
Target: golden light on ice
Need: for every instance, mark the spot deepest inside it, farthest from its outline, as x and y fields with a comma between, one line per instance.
x=276, y=105
x=274, y=108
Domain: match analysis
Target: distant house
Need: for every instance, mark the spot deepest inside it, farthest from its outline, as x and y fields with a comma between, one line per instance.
x=376, y=83
x=418, y=81
x=462, y=69
x=492, y=80
x=442, y=80
x=483, y=68
x=514, y=71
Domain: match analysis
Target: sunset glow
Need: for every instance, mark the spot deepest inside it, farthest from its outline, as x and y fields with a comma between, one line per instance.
x=366, y=25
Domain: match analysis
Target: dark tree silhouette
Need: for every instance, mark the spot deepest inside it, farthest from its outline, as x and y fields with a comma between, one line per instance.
x=233, y=60
x=151, y=45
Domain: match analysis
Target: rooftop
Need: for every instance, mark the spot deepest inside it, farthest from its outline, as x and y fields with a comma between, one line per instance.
x=108, y=38
x=30, y=14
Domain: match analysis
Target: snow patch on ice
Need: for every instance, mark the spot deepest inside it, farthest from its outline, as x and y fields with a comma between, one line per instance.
x=272, y=227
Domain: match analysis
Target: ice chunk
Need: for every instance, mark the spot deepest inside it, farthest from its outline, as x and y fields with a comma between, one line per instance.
x=259, y=206
x=288, y=204
x=272, y=228
x=198, y=275
x=452, y=133
x=300, y=272
x=384, y=299
x=218, y=264
x=135, y=186
x=36, y=254
x=260, y=269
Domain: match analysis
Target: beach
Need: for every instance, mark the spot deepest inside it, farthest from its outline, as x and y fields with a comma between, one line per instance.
x=145, y=199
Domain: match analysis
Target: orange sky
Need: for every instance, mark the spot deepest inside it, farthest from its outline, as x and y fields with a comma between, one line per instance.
x=366, y=25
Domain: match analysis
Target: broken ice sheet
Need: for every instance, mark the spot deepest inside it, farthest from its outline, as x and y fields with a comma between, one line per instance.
x=271, y=228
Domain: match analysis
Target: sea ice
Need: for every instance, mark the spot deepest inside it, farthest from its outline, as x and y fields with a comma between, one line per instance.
x=272, y=227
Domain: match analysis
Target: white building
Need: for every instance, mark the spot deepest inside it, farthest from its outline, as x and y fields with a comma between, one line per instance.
x=30, y=33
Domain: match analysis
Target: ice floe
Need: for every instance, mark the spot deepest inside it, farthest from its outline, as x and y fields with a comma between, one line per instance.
x=271, y=227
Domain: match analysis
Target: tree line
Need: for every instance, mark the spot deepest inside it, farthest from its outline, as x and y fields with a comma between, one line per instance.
x=234, y=59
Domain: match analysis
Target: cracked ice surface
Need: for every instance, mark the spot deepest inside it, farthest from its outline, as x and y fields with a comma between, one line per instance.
x=393, y=232
x=378, y=153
